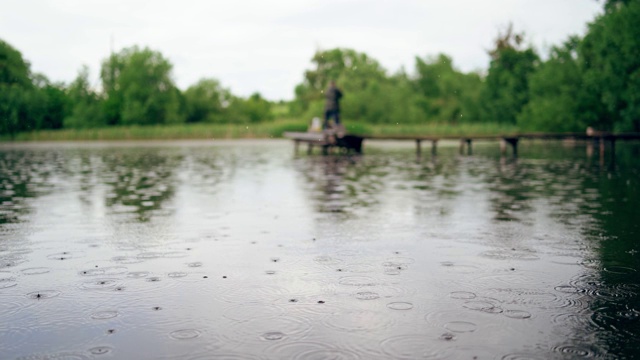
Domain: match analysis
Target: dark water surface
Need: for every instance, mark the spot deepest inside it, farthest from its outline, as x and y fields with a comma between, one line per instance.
x=241, y=250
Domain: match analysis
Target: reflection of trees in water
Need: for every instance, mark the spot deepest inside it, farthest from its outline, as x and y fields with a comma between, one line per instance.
x=616, y=291
x=341, y=184
x=350, y=184
x=512, y=186
x=597, y=210
x=207, y=168
x=518, y=185
x=23, y=175
x=86, y=171
x=437, y=183
x=141, y=180
x=599, y=206
x=433, y=183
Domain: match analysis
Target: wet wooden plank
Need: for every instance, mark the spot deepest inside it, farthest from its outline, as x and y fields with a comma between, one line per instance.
x=327, y=138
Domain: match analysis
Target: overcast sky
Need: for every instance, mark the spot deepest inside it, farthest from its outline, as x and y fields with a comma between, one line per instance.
x=266, y=45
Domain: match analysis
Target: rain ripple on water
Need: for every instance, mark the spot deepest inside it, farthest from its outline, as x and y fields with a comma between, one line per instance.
x=184, y=334
x=413, y=347
x=104, y=315
x=303, y=350
x=357, y=320
x=43, y=294
x=35, y=271
x=7, y=280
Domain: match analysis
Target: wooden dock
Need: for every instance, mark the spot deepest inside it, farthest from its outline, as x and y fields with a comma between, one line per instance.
x=329, y=139
x=326, y=140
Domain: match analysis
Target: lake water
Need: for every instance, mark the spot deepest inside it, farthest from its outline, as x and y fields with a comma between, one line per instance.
x=244, y=250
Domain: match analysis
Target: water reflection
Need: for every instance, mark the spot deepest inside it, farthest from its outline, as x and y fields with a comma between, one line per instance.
x=551, y=210
x=615, y=292
x=23, y=175
x=140, y=182
x=340, y=184
x=239, y=250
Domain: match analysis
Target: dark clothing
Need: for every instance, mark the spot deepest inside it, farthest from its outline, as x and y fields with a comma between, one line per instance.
x=335, y=114
x=332, y=105
x=332, y=96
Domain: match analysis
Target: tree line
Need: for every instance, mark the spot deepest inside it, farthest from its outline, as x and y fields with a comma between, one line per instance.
x=592, y=80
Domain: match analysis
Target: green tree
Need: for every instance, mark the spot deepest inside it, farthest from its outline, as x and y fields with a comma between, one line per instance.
x=610, y=57
x=506, y=88
x=51, y=103
x=16, y=91
x=355, y=70
x=85, y=103
x=356, y=73
x=554, y=90
x=207, y=101
x=369, y=93
x=139, y=89
x=403, y=101
x=251, y=110
x=447, y=95
x=613, y=4
x=14, y=70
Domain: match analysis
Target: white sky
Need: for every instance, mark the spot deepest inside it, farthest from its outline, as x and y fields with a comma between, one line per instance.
x=266, y=45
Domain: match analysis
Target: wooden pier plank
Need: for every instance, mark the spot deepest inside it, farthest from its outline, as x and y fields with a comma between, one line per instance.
x=327, y=139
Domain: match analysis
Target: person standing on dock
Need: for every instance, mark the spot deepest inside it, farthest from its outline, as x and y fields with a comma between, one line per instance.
x=332, y=104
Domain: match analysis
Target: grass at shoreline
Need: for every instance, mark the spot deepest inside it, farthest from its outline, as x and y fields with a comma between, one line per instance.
x=250, y=131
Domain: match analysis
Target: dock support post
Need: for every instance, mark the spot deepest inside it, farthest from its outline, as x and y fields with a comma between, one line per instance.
x=513, y=141
x=418, y=148
x=434, y=144
x=613, y=148
x=309, y=148
x=462, y=143
x=296, y=146
x=466, y=142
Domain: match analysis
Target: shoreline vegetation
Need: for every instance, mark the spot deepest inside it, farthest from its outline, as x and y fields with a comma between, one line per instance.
x=589, y=81
x=266, y=130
